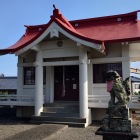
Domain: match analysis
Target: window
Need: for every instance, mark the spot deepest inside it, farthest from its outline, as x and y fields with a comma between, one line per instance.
x=29, y=76
x=137, y=86
x=99, y=71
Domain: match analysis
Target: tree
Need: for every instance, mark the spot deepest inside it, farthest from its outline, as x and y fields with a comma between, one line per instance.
x=1, y=75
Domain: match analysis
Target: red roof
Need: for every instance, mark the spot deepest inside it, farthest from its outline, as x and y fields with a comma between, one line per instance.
x=101, y=30
x=124, y=27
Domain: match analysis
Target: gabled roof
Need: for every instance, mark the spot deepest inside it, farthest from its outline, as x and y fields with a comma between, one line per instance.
x=8, y=83
x=101, y=30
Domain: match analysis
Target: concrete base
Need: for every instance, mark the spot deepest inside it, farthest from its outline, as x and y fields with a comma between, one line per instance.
x=24, y=111
x=107, y=135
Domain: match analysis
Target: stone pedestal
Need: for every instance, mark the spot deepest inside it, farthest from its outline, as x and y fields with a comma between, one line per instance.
x=117, y=119
x=109, y=135
x=117, y=124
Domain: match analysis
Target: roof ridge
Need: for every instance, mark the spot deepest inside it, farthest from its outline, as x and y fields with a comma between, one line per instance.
x=134, y=13
x=57, y=14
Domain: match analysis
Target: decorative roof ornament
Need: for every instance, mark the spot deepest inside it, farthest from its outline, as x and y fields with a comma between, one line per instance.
x=54, y=7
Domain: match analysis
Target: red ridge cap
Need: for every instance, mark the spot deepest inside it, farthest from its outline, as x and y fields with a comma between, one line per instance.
x=133, y=16
x=57, y=14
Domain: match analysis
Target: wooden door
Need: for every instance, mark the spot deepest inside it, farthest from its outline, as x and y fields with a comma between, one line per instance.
x=66, y=83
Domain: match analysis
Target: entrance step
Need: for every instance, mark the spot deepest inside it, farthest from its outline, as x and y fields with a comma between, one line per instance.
x=64, y=109
x=54, y=114
x=60, y=113
x=61, y=107
x=70, y=124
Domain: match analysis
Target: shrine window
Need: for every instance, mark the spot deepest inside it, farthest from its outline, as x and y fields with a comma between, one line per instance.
x=29, y=76
x=99, y=71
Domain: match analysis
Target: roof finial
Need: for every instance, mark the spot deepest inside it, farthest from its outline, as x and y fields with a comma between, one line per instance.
x=54, y=7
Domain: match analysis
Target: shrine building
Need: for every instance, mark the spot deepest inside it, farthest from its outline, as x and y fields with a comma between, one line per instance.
x=64, y=62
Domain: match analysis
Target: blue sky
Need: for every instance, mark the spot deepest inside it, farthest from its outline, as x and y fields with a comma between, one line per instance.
x=14, y=14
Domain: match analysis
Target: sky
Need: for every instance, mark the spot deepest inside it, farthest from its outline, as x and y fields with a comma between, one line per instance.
x=14, y=14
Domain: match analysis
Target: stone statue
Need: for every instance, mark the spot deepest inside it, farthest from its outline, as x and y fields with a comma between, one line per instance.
x=117, y=88
x=117, y=124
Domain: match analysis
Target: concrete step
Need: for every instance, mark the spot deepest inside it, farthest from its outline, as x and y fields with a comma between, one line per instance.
x=54, y=114
x=62, y=109
x=61, y=104
x=60, y=113
x=70, y=124
x=59, y=119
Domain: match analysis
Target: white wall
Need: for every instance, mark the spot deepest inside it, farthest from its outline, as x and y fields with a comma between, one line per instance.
x=134, y=51
x=30, y=90
x=116, y=52
x=99, y=89
x=50, y=49
x=113, y=50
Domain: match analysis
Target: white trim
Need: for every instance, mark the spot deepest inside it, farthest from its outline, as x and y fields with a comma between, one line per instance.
x=109, y=60
x=55, y=26
x=28, y=86
x=31, y=86
x=57, y=63
x=25, y=65
x=54, y=33
x=61, y=63
x=36, y=48
x=100, y=85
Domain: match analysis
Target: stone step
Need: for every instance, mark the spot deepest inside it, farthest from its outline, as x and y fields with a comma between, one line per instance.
x=70, y=124
x=59, y=119
x=62, y=104
x=60, y=113
x=62, y=109
x=54, y=114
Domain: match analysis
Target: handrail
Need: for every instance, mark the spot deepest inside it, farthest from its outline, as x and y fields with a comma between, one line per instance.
x=101, y=101
x=17, y=100
x=94, y=101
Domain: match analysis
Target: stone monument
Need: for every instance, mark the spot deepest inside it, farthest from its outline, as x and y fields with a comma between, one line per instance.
x=117, y=123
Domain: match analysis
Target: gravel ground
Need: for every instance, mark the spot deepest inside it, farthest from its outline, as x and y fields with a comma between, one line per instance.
x=84, y=133
x=70, y=133
x=10, y=130
x=39, y=132
x=10, y=127
x=13, y=129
